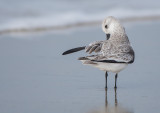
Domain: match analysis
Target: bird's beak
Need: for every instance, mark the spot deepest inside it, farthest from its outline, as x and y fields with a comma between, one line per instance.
x=108, y=36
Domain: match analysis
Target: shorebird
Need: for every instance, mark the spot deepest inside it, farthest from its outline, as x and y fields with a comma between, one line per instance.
x=110, y=55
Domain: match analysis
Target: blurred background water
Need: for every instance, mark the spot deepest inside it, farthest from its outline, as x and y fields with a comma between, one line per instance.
x=28, y=14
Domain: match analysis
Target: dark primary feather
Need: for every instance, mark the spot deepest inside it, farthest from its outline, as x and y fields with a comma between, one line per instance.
x=113, y=61
x=83, y=58
x=108, y=61
x=73, y=50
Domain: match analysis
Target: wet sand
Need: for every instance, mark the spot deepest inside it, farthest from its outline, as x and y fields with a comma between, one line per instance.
x=36, y=78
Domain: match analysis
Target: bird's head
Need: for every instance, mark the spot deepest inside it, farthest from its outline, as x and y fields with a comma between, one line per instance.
x=112, y=26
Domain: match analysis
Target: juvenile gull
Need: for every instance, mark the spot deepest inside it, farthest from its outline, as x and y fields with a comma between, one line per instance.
x=112, y=54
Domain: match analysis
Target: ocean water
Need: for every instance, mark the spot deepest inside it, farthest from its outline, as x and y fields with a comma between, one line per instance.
x=43, y=14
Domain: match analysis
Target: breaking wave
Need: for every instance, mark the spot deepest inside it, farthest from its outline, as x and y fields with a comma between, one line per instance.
x=74, y=19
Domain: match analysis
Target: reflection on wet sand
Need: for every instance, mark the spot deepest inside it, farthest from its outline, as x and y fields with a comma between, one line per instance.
x=116, y=108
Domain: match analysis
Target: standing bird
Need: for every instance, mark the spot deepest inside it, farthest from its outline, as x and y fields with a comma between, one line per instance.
x=112, y=54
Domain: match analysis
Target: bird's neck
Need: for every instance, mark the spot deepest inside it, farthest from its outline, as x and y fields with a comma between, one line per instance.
x=119, y=38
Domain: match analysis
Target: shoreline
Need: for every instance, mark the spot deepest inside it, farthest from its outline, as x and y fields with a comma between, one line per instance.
x=75, y=25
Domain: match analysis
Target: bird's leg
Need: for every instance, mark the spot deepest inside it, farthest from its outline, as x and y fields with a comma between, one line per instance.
x=116, y=80
x=106, y=75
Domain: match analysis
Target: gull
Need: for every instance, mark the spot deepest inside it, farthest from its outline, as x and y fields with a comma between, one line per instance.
x=112, y=54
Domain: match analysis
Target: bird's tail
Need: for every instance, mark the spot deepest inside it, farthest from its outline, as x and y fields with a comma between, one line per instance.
x=73, y=50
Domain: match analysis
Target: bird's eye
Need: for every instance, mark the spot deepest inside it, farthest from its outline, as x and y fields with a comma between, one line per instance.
x=106, y=26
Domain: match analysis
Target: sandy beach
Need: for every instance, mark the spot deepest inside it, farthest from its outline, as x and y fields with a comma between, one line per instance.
x=36, y=78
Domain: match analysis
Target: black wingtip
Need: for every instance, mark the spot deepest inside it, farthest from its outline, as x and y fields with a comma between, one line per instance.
x=67, y=52
x=64, y=53
x=73, y=50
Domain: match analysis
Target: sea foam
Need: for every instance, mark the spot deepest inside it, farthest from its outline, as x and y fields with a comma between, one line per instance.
x=70, y=19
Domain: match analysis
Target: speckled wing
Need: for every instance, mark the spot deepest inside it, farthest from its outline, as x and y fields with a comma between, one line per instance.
x=126, y=53
x=110, y=53
x=113, y=54
x=94, y=47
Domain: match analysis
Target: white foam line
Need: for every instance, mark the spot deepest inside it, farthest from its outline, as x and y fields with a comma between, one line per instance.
x=71, y=25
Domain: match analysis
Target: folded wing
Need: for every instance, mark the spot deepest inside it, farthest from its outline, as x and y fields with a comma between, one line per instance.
x=121, y=54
